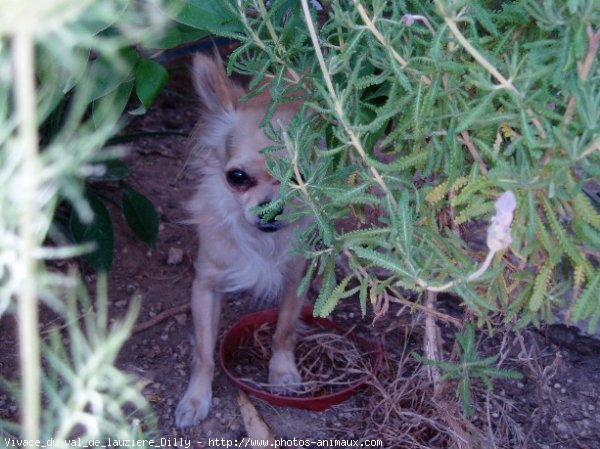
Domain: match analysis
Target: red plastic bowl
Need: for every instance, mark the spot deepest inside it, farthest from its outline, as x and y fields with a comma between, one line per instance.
x=243, y=330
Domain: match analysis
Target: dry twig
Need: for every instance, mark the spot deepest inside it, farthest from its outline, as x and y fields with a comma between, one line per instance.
x=327, y=361
x=183, y=308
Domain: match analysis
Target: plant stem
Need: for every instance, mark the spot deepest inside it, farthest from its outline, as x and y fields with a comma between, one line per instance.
x=594, y=146
x=373, y=29
x=258, y=41
x=474, y=153
x=432, y=343
x=265, y=16
x=29, y=349
x=472, y=277
x=505, y=83
x=369, y=23
x=584, y=68
x=337, y=106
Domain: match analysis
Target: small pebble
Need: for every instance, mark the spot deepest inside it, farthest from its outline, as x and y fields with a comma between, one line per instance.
x=175, y=256
x=562, y=427
x=181, y=319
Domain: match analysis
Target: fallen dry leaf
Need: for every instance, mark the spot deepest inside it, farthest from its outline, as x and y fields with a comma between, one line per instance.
x=255, y=426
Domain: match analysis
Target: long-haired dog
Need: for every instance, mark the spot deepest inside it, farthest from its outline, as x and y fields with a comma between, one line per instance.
x=239, y=251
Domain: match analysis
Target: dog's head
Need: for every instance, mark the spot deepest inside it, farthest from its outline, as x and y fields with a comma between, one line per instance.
x=230, y=130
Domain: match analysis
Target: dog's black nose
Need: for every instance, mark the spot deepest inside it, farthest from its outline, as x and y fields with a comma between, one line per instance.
x=272, y=224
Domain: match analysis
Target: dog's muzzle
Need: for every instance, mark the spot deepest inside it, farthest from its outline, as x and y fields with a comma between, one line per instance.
x=271, y=225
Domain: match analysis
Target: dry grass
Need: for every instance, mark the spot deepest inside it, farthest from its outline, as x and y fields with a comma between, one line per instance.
x=328, y=361
x=400, y=407
x=402, y=410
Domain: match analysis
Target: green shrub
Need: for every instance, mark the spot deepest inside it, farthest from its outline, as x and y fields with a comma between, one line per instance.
x=420, y=120
x=421, y=114
x=67, y=70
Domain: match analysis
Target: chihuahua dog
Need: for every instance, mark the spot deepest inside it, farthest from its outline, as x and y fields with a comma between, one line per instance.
x=239, y=251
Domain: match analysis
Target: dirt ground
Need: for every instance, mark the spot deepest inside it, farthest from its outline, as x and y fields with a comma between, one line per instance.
x=555, y=405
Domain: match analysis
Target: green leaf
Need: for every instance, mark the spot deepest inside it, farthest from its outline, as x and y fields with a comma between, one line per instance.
x=381, y=260
x=140, y=214
x=362, y=295
x=482, y=109
x=540, y=287
x=304, y=283
x=503, y=373
x=476, y=209
x=586, y=211
x=405, y=223
x=589, y=300
x=363, y=236
x=464, y=391
x=327, y=286
x=211, y=16
x=105, y=75
x=150, y=78
x=176, y=34
x=565, y=241
x=111, y=106
x=325, y=228
x=98, y=231
x=338, y=293
x=115, y=170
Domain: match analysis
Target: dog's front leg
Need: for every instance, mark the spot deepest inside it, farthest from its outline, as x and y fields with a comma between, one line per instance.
x=206, y=308
x=282, y=366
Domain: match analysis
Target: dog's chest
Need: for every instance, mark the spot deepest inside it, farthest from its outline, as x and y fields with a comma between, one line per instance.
x=257, y=266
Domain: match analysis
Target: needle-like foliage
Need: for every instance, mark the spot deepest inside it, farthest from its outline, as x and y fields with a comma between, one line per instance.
x=419, y=116
x=65, y=76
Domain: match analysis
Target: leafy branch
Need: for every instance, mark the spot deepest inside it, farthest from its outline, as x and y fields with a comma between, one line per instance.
x=468, y=367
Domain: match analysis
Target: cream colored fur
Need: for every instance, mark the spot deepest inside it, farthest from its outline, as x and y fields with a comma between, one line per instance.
x=234, y=253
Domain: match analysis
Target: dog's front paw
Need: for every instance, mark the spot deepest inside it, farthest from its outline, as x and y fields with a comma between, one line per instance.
x=284, y=375
x=192, y=408
x=283, y=378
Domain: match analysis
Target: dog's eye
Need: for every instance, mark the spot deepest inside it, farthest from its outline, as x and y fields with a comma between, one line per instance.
x=238, y=178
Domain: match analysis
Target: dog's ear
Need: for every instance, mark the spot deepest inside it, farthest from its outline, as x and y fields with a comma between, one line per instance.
x=217, y=92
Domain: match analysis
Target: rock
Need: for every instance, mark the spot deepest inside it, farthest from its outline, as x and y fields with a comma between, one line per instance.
x=181, y=319
x=174, y=256
x=562, y=428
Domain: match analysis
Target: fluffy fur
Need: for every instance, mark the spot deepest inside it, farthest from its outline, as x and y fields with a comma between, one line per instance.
x=238, y=251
